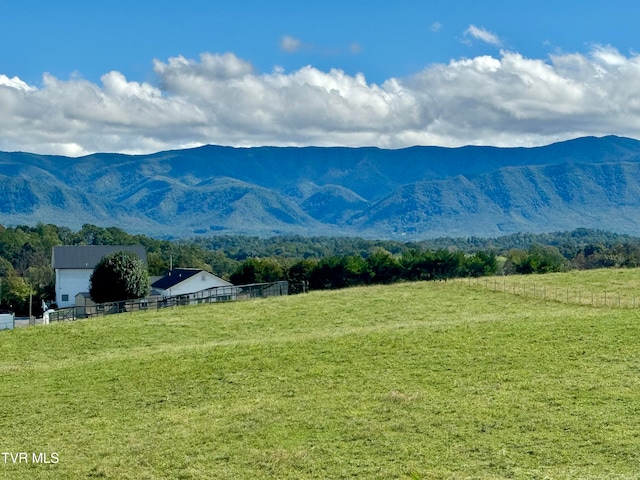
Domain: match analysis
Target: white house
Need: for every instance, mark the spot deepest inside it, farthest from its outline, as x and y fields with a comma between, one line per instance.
x=74, y=264
x=185, y=281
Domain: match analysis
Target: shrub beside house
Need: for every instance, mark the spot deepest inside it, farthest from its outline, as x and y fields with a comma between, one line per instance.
x=74, y=264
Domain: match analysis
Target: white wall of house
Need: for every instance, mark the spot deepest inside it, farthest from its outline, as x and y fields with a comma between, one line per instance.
x=196, y=283
x=69, y=283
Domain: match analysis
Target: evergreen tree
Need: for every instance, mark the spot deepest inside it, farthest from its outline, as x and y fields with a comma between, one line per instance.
x=258, y=270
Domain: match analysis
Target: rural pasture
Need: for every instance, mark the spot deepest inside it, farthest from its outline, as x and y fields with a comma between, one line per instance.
x=427, y=380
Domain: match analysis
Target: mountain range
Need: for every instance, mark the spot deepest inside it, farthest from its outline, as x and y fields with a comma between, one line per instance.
x=417, y=192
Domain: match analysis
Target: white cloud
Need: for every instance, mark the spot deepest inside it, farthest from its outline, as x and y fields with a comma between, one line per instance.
x=500, y=100
x=16, y=83
x=290, y=44
x=483, y=35
x=435, y=27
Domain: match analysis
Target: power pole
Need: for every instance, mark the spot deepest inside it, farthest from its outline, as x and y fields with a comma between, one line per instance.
x=31, y=321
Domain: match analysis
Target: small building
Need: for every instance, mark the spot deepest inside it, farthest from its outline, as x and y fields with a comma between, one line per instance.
x=186, y=281
x=7, y=321
x=84, y=304
x=74, y=264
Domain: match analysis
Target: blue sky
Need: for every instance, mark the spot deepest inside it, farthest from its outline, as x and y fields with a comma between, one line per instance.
x=156, y=75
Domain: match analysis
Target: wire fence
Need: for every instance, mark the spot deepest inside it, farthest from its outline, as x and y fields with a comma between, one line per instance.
x=566, y=294
x=211, y=295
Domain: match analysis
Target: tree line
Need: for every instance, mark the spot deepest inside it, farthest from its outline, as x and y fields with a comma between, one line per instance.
x=319, y=262
x=382, y=266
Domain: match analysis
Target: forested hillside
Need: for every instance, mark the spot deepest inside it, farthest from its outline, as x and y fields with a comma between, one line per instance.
x=412, y=193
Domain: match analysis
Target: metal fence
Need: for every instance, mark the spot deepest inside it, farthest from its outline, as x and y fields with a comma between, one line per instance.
x=211, y=295
x=523, y=286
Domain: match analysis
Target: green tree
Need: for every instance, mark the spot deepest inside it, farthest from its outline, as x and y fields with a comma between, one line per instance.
x=340, y=272
x=417, y=264
x=355, y=270
x=119, y=276
x=6, y=268
x=157, y=266
x=383, y=266
x=546, y=259
x=299, y=275
x=14, y=293
x=479, y=264
x=258, y=270
x=538, y=259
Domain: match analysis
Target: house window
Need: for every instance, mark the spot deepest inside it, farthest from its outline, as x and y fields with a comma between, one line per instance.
x=65, y=298
x=204, y=277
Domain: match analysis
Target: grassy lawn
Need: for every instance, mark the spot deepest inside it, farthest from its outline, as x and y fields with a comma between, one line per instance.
x=618, y=288
x=416, y=381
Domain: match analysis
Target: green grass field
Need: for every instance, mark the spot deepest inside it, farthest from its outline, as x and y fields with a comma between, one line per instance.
x=432, y=380
x=618, y=288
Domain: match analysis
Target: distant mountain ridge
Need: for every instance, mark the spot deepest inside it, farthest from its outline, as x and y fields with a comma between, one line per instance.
x=417, y=192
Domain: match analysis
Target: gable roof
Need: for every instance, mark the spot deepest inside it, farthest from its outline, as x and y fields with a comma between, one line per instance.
x=179, y=275
x=88, y=256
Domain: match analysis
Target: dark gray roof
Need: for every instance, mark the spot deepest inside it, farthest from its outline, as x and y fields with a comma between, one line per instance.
x=88, y=256
x=179, y=275
x=174, y=277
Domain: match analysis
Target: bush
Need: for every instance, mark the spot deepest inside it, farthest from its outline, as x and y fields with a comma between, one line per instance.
x=119, y=276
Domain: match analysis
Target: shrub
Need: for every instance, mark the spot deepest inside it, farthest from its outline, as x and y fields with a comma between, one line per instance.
x=119, y=276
